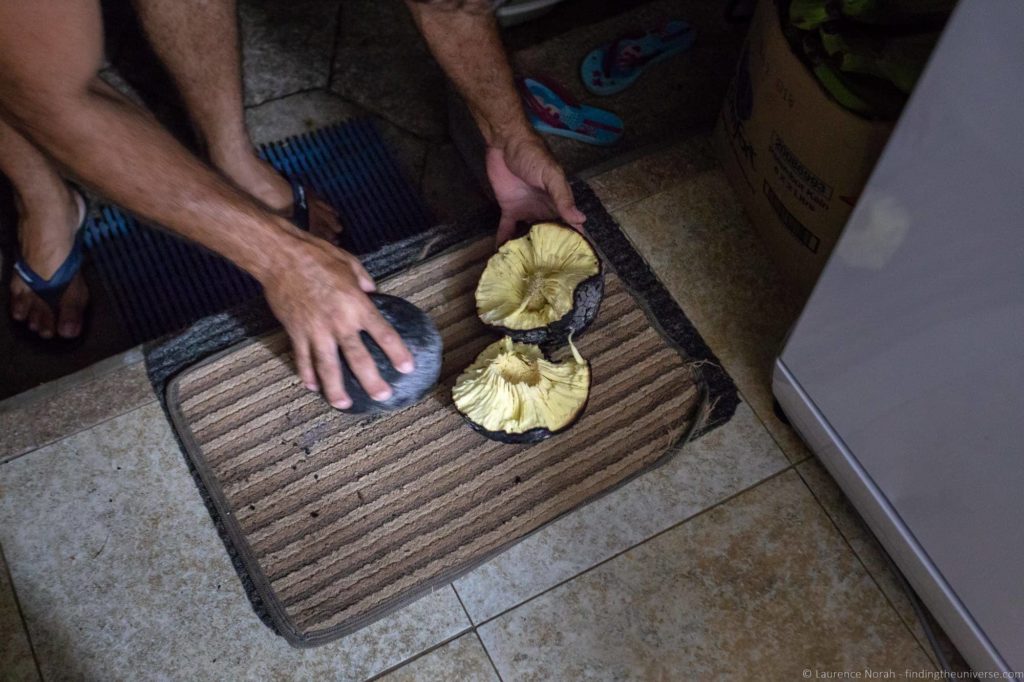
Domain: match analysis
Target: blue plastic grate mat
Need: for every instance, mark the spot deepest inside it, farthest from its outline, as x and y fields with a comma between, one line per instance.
x=161, y=283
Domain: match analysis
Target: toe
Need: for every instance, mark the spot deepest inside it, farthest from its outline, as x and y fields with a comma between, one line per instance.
x=40, y=320
x=323, y=220
x=72, y=309
x=19, y=306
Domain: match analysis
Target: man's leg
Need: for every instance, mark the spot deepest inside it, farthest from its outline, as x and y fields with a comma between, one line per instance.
x=48, y=215
x=197, y=40
x=50, y=51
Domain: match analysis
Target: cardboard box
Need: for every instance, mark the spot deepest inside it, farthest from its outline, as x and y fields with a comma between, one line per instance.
x=797, y=159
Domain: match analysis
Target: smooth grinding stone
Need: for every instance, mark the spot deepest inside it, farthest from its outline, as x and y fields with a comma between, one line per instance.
x=421, y=338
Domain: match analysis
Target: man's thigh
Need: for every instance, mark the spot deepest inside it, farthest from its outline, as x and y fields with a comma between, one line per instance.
x=49, y=49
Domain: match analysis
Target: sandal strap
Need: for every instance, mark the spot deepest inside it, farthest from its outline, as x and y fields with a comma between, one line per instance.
x=300, y=204
x=610, y=59
x=52, y=289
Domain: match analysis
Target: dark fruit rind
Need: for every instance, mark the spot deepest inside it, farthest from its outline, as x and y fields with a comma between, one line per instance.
x=535, y=435
x=421, y=338
x=587, y=296
x=513, y=393
x=586, y=303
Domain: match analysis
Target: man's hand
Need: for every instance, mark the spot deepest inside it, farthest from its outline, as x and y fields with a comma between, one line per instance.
x=319, y=295
x=529, y=186
x=527, y=181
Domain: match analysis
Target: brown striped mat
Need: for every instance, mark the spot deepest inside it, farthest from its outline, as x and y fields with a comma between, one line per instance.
x=341, y=518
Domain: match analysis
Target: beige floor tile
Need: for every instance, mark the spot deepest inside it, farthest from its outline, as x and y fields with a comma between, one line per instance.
x=16, y=660
x=761, y=587
x=696, y=238
x=52, y=414
x=16, y=434
x=461, y=660
x=708, y=470
x=655, y=172
x=870, y=552
x=121, y=574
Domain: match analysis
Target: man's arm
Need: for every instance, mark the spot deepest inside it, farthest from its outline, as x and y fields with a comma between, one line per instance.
x=49, y=54
x=528, y=182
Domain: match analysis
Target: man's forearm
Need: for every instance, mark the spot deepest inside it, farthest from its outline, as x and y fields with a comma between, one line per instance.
x=122, y=153
x=465, y=42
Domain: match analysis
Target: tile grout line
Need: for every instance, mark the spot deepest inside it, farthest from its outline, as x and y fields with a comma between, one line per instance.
x=278, y=98
x=927, y=650
x=50, y=389
x=785, y=451
x=475, y=631
x=615, y=213
x=21, y=613
x=40, y=446
x=417, y=656
x=789, y=466
x=487, y=654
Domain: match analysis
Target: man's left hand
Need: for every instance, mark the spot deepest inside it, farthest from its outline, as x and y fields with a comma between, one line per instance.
x=530, y=186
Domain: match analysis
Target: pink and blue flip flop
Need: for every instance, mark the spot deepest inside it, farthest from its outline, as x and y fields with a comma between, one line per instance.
x=612, y=68
x=553, y=111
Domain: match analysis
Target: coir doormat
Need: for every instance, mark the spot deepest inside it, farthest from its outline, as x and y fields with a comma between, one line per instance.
x=335, y=520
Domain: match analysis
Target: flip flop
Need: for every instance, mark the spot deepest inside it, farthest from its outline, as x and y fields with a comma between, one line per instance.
x=553, y=111
x=301, y=196
x=611, y=68
x=51, y=290
x=300, y=204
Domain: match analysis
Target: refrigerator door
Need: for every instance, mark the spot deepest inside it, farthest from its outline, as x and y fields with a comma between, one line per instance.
x=905, y=371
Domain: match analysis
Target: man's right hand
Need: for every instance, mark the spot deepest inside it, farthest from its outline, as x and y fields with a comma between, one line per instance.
x=318, y=292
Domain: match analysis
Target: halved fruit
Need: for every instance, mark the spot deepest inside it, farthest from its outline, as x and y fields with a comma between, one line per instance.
x=511, y=393
x=542, y=287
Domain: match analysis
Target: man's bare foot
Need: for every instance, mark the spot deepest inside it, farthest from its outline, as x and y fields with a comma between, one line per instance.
x=259, y=179
x=46, y=235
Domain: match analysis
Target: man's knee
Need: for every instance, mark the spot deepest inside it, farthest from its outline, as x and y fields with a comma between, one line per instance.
x=44, y=70
x=30, y=105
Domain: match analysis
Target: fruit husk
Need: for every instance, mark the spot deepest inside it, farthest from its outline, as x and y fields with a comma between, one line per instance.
x=536, y=434
x=586, y=302
x=587, y=298
x=424, y=342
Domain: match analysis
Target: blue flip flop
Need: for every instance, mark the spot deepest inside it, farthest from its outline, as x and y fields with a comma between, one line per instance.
x=611, y=68
x=553, y=111
x=300, y=204
x=52, y=289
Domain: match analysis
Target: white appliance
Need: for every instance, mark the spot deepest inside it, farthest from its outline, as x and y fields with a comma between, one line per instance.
x=905, y=372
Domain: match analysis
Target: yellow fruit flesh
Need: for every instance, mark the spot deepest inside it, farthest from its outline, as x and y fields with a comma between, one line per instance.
x=512, y=388
x=530, y=282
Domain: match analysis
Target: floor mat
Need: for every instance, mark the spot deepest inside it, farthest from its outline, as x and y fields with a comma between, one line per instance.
x=161, y=283
x=334, y=520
